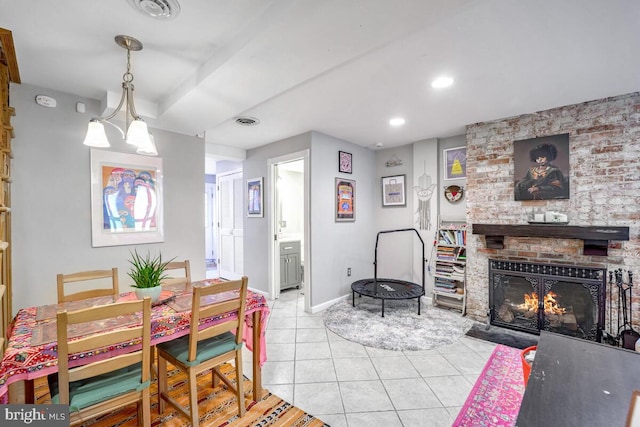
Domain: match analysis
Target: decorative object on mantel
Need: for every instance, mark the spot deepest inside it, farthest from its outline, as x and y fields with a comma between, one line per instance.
x=549, y=217
x=453, y=193
x=394, y=161
x=595, y=238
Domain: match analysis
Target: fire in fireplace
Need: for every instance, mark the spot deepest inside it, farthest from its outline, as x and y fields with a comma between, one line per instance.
x=558, y=298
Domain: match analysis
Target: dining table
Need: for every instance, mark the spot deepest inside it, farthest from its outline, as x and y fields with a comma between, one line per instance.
x=31, y=351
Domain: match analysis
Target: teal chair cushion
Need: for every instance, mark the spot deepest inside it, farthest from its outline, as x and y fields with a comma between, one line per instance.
x=207, y=349
x=90, y=391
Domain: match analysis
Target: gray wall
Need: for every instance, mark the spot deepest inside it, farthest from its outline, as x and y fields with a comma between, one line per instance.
x=51, y=217
x=394, y=249
x=256, y=230
x=336, y=246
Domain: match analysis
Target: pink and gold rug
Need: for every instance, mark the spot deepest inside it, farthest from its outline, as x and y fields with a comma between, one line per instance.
x=496, y=396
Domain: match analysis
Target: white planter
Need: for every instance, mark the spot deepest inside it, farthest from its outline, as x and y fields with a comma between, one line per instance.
x=154, y=293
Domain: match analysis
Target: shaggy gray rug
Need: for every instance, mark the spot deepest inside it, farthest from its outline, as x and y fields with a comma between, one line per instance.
x=400, y=329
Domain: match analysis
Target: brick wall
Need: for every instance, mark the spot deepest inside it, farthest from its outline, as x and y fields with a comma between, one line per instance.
x=604, y=151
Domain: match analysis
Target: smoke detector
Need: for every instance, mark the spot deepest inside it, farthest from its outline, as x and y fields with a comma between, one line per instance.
x=247, y=121
x=158, y=9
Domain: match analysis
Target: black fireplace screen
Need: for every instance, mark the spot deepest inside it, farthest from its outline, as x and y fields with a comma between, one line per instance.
x=564, y=299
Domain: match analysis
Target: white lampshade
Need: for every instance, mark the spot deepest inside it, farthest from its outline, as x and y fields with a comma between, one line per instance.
x=96, y=136
x=149, y=151
x=138, y=134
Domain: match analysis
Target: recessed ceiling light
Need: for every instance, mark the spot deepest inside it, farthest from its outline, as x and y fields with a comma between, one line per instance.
x=396, y=121
x=442, y=81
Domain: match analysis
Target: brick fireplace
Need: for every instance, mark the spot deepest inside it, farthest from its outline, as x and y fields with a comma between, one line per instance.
x=604, y=157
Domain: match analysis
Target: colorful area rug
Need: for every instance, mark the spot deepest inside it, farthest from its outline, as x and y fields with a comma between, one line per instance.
x=401, y=328
x=496, y=396
x=217, y=406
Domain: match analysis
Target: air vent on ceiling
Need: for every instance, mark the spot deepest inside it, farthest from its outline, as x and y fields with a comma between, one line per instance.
x=247, y=121
x=158, y=9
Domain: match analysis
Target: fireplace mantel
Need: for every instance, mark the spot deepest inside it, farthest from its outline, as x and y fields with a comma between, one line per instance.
x=595, y=238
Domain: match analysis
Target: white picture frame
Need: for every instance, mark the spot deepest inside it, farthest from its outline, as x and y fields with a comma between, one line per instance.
x=126, y=199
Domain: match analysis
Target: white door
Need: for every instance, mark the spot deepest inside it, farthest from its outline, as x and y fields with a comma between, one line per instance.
x=210, y=222
x=230, y=198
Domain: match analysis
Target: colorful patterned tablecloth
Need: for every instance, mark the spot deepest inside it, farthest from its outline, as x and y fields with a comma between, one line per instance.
x=32, y=350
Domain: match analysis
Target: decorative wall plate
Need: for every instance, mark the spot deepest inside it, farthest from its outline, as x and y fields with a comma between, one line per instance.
x=453, y=193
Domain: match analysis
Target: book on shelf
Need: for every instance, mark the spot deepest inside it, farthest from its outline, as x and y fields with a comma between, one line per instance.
x=446, y=290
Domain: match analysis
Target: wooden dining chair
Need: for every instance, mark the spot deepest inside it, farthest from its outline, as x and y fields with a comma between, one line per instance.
x=96, y=277
x=100, y=387
x=207, y=346
x=178, y=266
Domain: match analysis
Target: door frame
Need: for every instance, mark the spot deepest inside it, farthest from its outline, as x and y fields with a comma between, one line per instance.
x=274, y=251
x=219, y=213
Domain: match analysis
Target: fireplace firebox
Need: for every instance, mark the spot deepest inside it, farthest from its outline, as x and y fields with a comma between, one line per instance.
x=564, y=299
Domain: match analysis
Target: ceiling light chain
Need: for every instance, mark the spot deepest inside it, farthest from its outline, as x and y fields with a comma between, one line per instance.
x=136, y=132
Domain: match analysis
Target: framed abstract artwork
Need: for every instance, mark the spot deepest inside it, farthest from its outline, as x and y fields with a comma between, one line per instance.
x=393, y=191
x=255, y=197
x=345, y=162
x=126, y=199
x=345, y=196
x=455, y=163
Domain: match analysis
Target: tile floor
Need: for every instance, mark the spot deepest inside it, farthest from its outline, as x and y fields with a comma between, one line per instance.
x=349, y=385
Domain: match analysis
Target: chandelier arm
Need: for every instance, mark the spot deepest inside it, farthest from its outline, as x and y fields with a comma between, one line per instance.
x=130, y=106
x=114, y=125
x=118, y=108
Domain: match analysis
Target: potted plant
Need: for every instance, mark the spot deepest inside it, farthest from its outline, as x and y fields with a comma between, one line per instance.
x=147, y=273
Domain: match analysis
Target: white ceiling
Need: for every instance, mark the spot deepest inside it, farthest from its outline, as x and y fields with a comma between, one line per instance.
x=342, y=67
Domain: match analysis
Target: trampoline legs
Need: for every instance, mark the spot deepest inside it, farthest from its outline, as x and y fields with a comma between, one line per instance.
x=419, y=306
x=353, y=299
x=383, y=308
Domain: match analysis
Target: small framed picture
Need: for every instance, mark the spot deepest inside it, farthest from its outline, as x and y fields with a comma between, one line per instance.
x=344, y=162
x=455, y=163
x=345, y=196
x=255, y=197
x=393, y=191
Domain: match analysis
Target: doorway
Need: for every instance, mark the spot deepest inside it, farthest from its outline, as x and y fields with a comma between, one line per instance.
x=210, y=227
x=289, y=225
x=230, y=227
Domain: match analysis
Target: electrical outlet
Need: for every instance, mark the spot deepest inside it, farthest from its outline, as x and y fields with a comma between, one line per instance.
x=349, y=272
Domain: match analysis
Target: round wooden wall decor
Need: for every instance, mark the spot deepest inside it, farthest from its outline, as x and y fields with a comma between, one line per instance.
x=453, y=193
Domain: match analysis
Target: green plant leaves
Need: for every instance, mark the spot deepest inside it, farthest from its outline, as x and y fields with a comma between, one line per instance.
x=147, y=272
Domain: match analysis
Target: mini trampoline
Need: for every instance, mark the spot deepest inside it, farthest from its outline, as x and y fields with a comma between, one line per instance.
x=391, y=289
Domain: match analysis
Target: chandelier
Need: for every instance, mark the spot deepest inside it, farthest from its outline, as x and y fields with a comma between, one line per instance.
x=135, y=132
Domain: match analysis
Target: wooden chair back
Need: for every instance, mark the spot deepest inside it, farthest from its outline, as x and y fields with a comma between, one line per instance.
x=216, y=342
x=93, y=276
x=202, y=308
x=182, y=268
x=140, y=314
